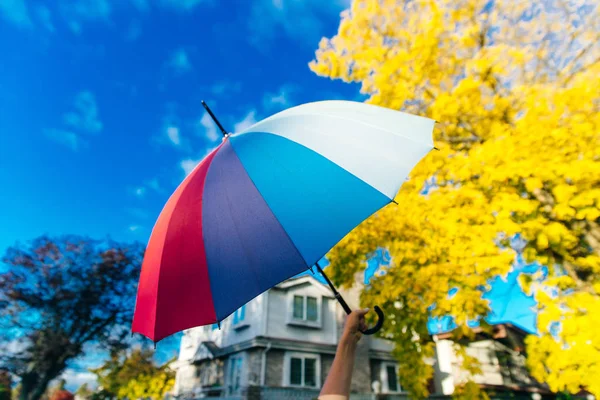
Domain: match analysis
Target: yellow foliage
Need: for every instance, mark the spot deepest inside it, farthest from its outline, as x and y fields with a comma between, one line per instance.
x=134, y=375
x=153, y=387
x=519, y=138
x=469, y=391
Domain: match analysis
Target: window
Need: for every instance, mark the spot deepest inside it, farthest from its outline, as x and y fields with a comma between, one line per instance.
x=302, y=370
x=298, y=307
x=296, y=371
x=305, y=308
x=389, y=378
x=311, y=309
x=392, y=378
x=235, y=374
x=239, y=315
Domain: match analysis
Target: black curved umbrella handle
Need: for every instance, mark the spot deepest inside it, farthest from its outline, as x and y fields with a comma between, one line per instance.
x=378, y=325
x=340, y=299
x=380, y=316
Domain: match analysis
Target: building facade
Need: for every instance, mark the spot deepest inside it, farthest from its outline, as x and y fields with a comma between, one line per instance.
x=285, y=340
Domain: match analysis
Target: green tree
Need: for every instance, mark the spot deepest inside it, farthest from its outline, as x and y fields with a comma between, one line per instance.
x=58, y=294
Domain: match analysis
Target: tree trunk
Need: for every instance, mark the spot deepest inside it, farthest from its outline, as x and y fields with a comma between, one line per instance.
x=33, y=386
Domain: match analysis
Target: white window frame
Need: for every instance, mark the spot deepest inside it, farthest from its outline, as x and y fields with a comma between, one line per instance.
x=385, y=387
x=228, y=384
x=287, y=368
x=240, y=324
x=304, y=322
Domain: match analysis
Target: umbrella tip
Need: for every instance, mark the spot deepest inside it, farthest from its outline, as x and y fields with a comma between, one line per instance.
x=435, y=148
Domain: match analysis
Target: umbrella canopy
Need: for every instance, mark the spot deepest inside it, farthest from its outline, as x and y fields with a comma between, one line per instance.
x=267, y=204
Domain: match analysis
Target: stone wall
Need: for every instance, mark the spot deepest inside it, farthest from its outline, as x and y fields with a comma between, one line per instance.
x=274, y=373
x=253, y=366
x=361, y=377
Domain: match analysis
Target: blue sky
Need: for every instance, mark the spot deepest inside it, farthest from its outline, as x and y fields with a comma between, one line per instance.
x=100, y=114
x=100, y=108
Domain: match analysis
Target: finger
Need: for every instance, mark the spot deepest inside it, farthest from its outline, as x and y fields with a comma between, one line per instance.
x=362, y=312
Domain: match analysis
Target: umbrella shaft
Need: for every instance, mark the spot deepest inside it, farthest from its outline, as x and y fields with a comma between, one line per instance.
x=214, y=118
x=337, y=295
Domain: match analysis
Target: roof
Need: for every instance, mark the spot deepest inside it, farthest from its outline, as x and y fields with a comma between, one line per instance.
x=300, y=280
x=499, y=331
x=509, y=334
x=207, y=349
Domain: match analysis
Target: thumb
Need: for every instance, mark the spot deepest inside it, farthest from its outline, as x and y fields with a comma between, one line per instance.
x=362, y=312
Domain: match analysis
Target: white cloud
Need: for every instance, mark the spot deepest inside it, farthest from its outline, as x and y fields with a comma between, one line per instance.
x=15, y=11
x=246, y=122
x=180, y=61
x=44, y=15
x=85, y=116
x=171, y=132
x=141, y=5
x=14, y=346
x=173, y=135
x=82, y=120
x=76, y=13
x=91, y=9
x=279, y=100
x=137, y=213
x=65, y=137
x=134, y=31
x=183, y=5
x=139, y=191
x=134, y=228
x=208, y=128
x=188, y=165
x=225, y=88
x=75, y=379
x=75, y=27
x=154, y=185
x=301, y=20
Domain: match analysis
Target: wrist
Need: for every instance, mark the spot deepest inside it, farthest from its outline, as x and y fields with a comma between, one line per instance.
x=349, y=339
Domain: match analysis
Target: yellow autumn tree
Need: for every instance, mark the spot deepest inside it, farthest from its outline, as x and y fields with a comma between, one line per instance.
x=515, y=87
x=133, y=374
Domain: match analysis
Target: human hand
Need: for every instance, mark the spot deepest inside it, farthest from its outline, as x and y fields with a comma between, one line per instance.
x=355, y=323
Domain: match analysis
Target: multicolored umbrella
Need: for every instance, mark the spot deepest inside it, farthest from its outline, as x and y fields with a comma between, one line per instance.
x=268, y=204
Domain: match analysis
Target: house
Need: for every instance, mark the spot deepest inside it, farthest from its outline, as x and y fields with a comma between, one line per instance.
x=283, y=342
x=285, y=339
x=501, y=355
